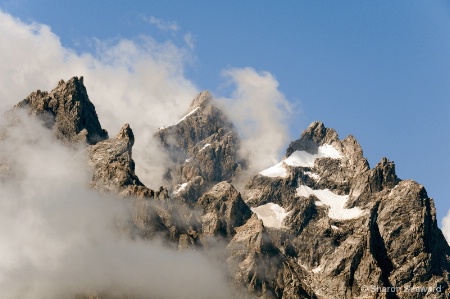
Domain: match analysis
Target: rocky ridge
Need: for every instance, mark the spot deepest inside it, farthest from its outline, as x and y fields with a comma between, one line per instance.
x=319, y=224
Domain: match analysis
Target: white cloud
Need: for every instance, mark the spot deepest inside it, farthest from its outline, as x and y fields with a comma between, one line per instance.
x=260, y=111
x=58, y=238
x=140, y=82
x=446, y=227
x=162, y=25
x=50, y=224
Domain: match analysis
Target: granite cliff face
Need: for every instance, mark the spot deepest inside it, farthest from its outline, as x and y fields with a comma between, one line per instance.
x=319, y=224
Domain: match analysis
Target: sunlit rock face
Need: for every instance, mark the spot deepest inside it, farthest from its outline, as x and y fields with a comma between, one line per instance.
x=68, y=111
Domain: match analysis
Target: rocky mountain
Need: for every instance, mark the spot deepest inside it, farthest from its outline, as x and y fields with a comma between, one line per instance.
x=203, y=146
x=68, y=111
x=319, y=224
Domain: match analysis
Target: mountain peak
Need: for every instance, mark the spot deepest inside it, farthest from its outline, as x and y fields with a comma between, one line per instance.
x=68, y=111
x=126, y=133
x=322, y=224
x=314, y=136
x=203, y=145
x=203, y=99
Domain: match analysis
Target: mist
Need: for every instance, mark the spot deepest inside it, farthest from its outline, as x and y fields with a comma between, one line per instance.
x=59, y=238
x=261, y=114
x=137, y=81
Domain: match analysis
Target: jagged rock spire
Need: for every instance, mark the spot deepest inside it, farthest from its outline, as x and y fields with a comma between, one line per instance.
x=68, y=111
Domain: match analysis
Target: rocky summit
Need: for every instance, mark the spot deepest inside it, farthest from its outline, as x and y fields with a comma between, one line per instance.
x=319, y=224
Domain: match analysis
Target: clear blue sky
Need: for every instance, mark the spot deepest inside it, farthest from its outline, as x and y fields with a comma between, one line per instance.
x=379, y=70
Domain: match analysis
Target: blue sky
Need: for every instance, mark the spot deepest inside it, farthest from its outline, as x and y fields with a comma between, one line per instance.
x=379, y=70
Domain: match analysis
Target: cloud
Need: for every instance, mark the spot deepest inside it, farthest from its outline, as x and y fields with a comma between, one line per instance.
x=260, y=112
x=162, y=24
x=446, y=227
x=54, y=229
x=58, y=238
x=138, y=81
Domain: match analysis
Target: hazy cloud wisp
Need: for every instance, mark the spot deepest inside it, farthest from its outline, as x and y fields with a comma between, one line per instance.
x=260, y=112
x=58, y=238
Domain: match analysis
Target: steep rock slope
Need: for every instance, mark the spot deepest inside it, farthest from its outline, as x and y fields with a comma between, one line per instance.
x=68, y=111
x=203, y=146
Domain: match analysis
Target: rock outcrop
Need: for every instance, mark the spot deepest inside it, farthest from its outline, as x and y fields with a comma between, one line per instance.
x=223, y=211
x=68, y=111
x=113, y=165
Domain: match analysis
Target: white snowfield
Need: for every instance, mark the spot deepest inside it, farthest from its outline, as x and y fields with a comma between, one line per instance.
x=335, y=203
x=301, y=159
x=277, y=170
x=305, y=159
x=187, y=115
x=271, y=214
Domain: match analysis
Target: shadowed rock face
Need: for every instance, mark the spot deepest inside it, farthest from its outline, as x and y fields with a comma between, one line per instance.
x=344, y=227
x=68, y=111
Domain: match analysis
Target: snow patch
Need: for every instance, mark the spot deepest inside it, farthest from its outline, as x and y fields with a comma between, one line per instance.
x=305, y=159
x=317, y=270
x=271, y=214
x=301, y=159
x=188, y=160
x=334, y=227
x=277, y=170
x=312, y=175
x=205, y=146
x=181, y=187
x=335, y=203
x=187, y=115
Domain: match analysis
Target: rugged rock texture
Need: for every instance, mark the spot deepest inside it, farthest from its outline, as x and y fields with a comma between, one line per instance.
x=113, y=173
x=223, y=211
x=322, y=224
x=204, y=148
x=391, y=242
x=68, y=111
x=113, y=164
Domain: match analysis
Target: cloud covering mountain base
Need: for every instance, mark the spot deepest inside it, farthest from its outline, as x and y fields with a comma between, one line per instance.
x=58, y=238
